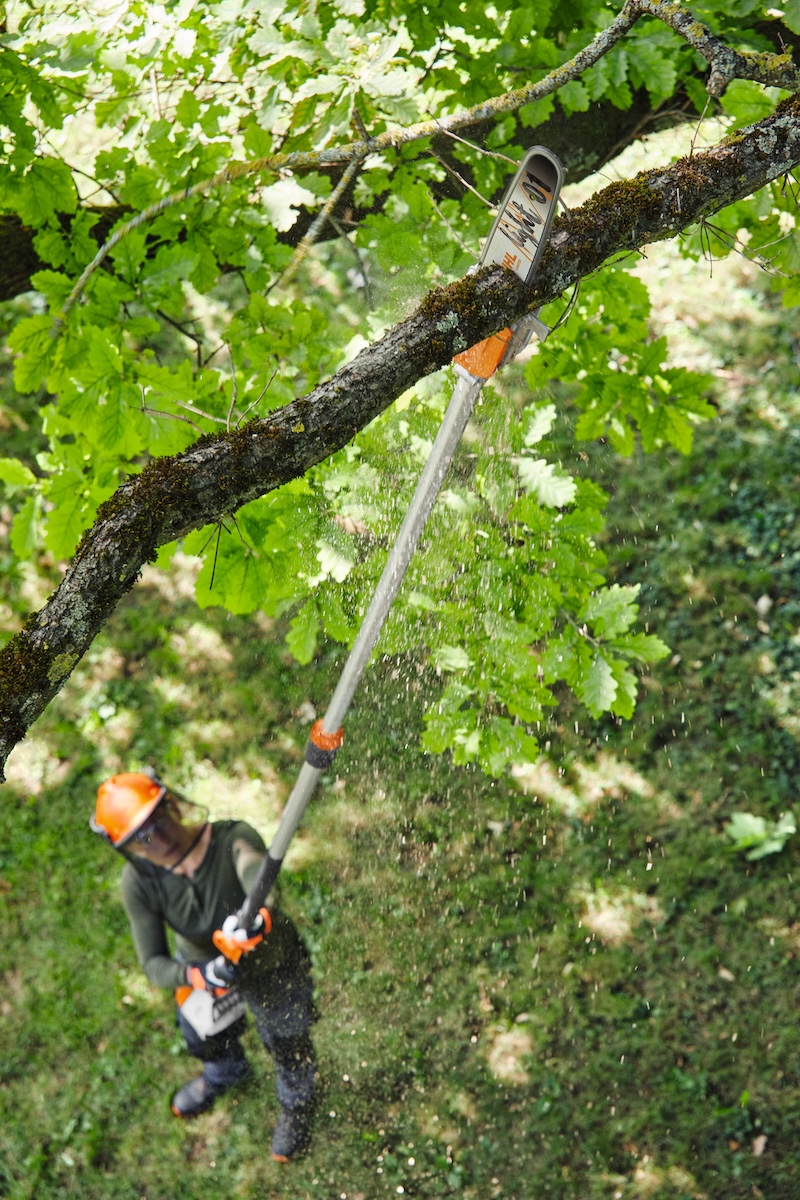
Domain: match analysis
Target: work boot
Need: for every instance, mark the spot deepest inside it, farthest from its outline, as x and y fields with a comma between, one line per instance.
x=198, y=1095
x=194, y=1097
x=292, y=1133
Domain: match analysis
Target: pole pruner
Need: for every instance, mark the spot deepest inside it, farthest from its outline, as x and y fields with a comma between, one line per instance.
x=516, y=241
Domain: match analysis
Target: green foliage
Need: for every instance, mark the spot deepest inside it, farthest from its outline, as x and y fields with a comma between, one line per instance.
x=746, y=102
x=625, y=386
x=763, y=229
x=758, y=837
x=508, y=598
x=15, y=474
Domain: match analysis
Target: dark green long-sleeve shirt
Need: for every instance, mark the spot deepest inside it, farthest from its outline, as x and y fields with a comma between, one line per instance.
x=194, y=907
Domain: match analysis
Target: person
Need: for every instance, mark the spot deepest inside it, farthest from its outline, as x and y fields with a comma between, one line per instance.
x=187, y=874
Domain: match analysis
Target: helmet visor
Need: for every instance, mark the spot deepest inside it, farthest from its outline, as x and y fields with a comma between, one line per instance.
x=169, y=833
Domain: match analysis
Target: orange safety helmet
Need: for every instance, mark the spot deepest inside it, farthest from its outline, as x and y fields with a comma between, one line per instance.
x=124, y=802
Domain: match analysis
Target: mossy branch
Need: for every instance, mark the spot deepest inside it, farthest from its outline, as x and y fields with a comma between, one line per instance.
x=777, y=70
x=219, y=473
x=727, y=64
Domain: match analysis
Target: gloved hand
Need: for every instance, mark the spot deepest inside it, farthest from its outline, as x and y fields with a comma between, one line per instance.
x=209, y=976
x=233, y=942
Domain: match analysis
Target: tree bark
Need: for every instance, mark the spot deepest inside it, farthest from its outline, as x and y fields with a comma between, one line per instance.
x=218, y=474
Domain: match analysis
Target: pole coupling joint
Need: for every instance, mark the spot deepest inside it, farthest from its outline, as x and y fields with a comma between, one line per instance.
x=322, y=746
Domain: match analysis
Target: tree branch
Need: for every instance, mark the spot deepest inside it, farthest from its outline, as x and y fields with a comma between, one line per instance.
x=220, y=473
x=726, y=64
x=584, y=141
x=772, y=70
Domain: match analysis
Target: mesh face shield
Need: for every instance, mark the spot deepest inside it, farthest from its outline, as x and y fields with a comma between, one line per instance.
x=168, y=835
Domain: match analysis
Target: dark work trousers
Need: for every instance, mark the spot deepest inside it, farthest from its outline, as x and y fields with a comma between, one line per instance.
x=282, y=1005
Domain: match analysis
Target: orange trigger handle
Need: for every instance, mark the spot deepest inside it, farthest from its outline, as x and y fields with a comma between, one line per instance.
x=233, y=948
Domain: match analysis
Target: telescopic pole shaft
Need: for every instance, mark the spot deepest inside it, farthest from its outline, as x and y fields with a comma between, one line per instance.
x=459, y=411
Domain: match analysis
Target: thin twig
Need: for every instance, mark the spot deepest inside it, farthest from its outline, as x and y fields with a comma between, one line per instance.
x=464, y=183
x=234, y=389
x=200, y=412
x=258, y=398
x=755, y=255
x=214, y=528
x=238, y=530
x=154, y=86
x=318, y=224
x=193, y=337
x=431, y=64
x=101, y=187
x=705, y=246
x=213, y=354
x=455, y=232
x=479, y=149
x=362, y=266
x=567, y=313
x=696, y=133
x=156, y=412
x=787, y=186
x=583, y=630
x=220, y=526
